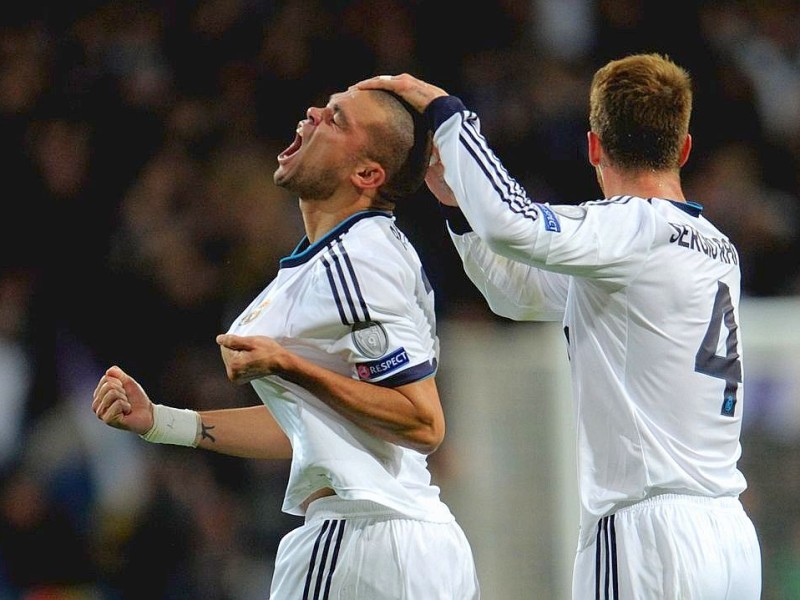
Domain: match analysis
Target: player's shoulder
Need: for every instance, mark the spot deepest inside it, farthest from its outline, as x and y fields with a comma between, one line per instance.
x=372, y=227
x=382, y=259
x=655, y=208
x=356, y=238
x=620, y=213
x=689, y=213
x=618, y=201
x=379, y=239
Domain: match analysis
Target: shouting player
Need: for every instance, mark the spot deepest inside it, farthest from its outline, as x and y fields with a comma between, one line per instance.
x=342, y=349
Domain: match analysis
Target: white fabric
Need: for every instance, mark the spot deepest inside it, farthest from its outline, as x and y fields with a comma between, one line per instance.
x=672, y=548
x=648, y=294
x=356, y=302
x=359, y=550
x=177, y=426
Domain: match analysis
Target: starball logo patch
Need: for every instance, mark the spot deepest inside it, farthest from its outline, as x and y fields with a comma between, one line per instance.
x=382, y=366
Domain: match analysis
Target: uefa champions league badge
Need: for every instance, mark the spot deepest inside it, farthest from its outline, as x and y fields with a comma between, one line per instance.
x=384, y=365
x=370, y=338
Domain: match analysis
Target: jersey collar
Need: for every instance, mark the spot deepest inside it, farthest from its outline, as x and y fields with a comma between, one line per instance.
x=305, y=250
x=692, y=208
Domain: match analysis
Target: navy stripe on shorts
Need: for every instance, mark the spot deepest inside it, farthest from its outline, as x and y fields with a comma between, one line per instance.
x=606, y=577
x=329, y=540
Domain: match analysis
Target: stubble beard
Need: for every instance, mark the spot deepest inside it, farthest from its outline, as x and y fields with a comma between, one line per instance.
x=308, y=184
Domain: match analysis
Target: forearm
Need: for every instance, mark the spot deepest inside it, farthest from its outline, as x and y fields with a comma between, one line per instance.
x=249, y=432
x=495, y=205
x=512, y=289
x=408, y=415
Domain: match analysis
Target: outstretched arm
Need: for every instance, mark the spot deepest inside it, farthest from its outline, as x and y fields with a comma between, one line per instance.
x=409, y=415
x=499, y=260
x=251, y=432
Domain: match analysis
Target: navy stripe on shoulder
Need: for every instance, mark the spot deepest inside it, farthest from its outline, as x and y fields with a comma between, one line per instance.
x=356, y=285
x=344, y=284
x=336, y=297
x=610, y=200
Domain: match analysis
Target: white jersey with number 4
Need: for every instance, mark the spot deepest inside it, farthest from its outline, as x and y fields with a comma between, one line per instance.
x=358, y=303
x=648, y=293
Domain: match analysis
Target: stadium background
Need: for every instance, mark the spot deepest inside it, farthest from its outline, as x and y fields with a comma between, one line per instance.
x=138, y=144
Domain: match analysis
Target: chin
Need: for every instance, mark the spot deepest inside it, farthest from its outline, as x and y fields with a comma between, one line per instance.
x=280, y=177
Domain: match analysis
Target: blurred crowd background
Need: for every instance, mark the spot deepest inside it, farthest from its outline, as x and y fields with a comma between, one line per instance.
x=138, y=145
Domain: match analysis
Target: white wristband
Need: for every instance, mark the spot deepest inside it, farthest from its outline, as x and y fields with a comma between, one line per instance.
x=177, y=426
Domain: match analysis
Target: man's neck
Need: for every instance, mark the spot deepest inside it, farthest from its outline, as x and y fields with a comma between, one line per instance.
x=319, y=217
x=645, y=184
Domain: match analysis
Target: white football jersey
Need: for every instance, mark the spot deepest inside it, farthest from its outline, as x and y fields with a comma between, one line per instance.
x=648, y=293
x=358, y=303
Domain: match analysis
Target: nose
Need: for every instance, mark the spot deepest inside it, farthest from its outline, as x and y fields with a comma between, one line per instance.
x=314, y=115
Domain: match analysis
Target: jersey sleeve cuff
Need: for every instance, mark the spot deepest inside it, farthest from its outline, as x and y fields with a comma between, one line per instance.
x=456, y=221
x=440, y=109
x=410, y=375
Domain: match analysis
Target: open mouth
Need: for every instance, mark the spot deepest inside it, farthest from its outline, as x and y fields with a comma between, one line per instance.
x=294, y=147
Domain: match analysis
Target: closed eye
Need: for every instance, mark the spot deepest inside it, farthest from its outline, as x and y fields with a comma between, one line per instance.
x=337, y=116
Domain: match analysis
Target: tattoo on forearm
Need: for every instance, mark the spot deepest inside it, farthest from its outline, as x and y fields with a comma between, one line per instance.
x=205, y=434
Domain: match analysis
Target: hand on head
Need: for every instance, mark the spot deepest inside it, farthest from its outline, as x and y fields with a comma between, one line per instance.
x=414, y=91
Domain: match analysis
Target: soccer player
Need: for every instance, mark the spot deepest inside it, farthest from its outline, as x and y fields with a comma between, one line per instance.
x=648, y=293
x=342, y=349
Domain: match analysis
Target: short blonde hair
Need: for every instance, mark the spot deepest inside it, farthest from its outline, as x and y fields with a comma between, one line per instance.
x=640, y=107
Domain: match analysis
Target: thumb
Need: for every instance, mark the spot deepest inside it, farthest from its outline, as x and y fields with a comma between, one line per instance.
x=118, y=373
x=233, y=342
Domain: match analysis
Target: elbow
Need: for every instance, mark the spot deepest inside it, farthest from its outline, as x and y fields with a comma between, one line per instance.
x=496, y=242
x=421, y=425
x=520, y=312
x=427, y=439
x=503, y=244
x=503, y=309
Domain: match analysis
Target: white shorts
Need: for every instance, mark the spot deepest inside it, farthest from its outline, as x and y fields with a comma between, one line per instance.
x=360, y=550
x=672, y=547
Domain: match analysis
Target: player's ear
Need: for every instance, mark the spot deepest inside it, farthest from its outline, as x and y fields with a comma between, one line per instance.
x=595, y=149
x=368, y=175
x=686, y=149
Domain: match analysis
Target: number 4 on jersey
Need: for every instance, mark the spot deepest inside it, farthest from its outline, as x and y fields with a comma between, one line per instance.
x=708, y=362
